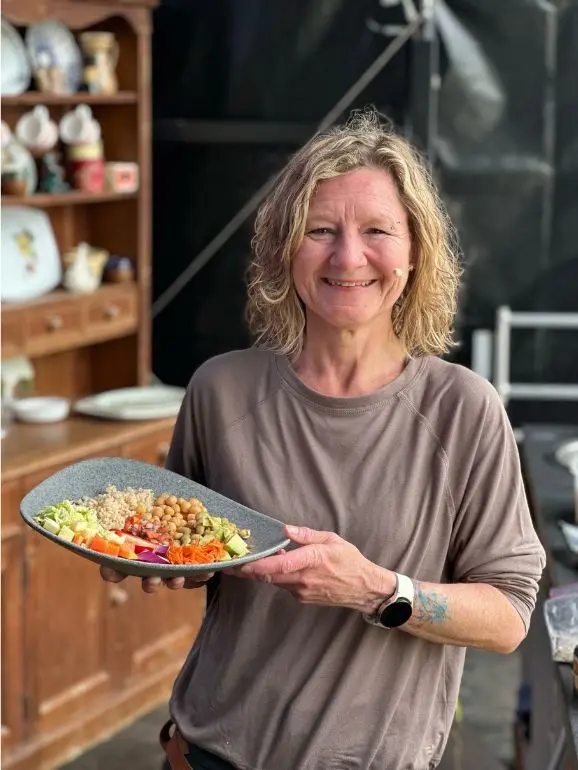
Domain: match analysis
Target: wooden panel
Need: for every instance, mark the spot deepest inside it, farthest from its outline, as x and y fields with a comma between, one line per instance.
x=11, y=520
x=149, y=632
x=141, y=647
x=12, y=643
x=75, y=197
x=114, y=364
x=31, y=98
x=12, y=335
x=84, y=729
x=63, y=374
x=64, y=594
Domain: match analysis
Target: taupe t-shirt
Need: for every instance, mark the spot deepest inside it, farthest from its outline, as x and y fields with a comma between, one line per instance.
x=423, y=476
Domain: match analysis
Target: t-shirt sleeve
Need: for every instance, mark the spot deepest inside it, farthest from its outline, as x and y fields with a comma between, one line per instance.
x=493, y=538
x=185, y=454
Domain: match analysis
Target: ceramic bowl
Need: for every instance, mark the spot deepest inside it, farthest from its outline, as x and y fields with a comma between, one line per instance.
x=89, y=478
x=41, y=409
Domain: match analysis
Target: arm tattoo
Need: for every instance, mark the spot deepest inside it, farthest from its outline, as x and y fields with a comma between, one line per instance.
x=429, y=606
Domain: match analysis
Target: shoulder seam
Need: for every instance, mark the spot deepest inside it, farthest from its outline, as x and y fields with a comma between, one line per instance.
x=252, y=409
x=422, y=419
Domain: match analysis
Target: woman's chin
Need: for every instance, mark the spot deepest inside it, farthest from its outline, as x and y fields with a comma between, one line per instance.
x=349, y=319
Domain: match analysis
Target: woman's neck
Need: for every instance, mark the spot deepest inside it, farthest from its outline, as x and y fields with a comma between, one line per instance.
x=349, y=364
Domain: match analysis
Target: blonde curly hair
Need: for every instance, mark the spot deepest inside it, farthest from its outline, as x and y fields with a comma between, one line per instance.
x=423, y=316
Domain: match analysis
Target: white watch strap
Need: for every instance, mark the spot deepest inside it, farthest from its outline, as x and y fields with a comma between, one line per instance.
x=405, y=588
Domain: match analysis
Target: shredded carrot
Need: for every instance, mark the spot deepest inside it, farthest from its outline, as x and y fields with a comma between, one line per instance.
x=195, y=553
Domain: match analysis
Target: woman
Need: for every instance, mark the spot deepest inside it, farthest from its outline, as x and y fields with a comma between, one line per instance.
x=398, y=472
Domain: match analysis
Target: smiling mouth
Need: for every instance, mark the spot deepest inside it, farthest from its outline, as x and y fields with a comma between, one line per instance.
x=349, y=284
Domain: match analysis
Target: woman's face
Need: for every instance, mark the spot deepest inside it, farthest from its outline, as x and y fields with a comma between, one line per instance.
x=356, y=235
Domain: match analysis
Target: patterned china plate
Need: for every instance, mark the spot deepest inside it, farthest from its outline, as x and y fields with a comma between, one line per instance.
x=51, y=44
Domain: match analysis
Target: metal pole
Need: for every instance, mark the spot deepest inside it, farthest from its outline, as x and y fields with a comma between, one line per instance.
x=251, y=205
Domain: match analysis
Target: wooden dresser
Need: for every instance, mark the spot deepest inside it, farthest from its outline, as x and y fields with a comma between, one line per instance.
x=81, y=658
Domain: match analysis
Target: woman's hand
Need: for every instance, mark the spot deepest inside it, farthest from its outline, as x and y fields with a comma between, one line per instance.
x=153, y=584
x=325, y=570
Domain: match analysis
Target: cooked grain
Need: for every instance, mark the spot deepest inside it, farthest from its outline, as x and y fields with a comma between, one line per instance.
x=114, y=506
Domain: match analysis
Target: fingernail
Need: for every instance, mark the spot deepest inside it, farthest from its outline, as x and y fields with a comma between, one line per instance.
x=291, y=530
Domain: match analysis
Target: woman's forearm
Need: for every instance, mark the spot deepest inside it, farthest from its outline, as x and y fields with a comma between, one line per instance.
x=465, y=614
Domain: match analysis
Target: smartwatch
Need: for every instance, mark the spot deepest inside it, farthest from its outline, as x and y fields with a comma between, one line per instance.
x=398, y=609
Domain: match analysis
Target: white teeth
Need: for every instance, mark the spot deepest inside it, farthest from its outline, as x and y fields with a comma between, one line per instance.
x=348, y=283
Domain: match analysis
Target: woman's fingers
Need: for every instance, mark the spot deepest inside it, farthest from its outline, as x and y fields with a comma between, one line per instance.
x=111, y=575
x=151, y=585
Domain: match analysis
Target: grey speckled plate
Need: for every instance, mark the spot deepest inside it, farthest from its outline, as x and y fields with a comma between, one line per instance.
x=91, y=477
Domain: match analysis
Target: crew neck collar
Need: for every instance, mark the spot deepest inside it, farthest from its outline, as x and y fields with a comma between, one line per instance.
x=348, y=403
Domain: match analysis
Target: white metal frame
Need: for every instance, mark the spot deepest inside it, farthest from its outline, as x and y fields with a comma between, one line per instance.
x=506, y=320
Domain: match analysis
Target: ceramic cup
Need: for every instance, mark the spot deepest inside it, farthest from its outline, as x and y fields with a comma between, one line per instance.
x=36, y=131
x=79, y=127
x=88, y=175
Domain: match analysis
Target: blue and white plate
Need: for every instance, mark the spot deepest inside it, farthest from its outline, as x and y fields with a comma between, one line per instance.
x=51, y=44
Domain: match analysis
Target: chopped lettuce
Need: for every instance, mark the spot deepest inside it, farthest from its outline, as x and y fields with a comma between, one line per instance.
x=67, y=514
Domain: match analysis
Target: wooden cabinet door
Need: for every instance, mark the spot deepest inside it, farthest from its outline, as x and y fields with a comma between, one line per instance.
x=13, y=661
x=64, y=631
x=150, y=633
x=153, y=449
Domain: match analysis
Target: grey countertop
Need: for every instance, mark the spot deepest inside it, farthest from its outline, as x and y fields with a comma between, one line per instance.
x=551, y=492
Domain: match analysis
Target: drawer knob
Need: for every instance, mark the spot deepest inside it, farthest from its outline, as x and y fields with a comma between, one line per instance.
x=111, y=312
x=54, y=323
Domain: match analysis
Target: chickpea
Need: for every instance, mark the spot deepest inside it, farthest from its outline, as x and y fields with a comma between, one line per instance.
x=186, y=540
x=172, y=527
x=157, y=510
x=185, y=506
x=171, y=500
x=176, y=508
x=180, y=500
x=177, y=535
x=168, y=509
x=156, y=520
x=161, y=499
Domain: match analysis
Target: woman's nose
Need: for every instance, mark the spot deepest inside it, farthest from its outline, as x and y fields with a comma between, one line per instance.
x=347, y=252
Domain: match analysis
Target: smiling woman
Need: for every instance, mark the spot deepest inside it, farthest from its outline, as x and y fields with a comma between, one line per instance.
x=373, y=223
x=396, y=474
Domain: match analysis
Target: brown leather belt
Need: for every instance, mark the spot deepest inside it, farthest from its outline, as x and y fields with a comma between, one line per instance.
x=174, y=746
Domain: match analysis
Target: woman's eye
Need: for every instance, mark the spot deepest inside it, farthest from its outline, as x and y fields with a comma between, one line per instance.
x=321, y=231
x=376, y=231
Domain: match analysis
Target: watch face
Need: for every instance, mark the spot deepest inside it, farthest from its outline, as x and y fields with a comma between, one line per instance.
x=396, y=614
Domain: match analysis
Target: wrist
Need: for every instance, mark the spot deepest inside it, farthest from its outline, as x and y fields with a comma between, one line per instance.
x=379, y=584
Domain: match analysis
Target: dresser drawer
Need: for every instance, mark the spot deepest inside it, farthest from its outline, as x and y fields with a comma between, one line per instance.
x=53, y=327
x=116, y=310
